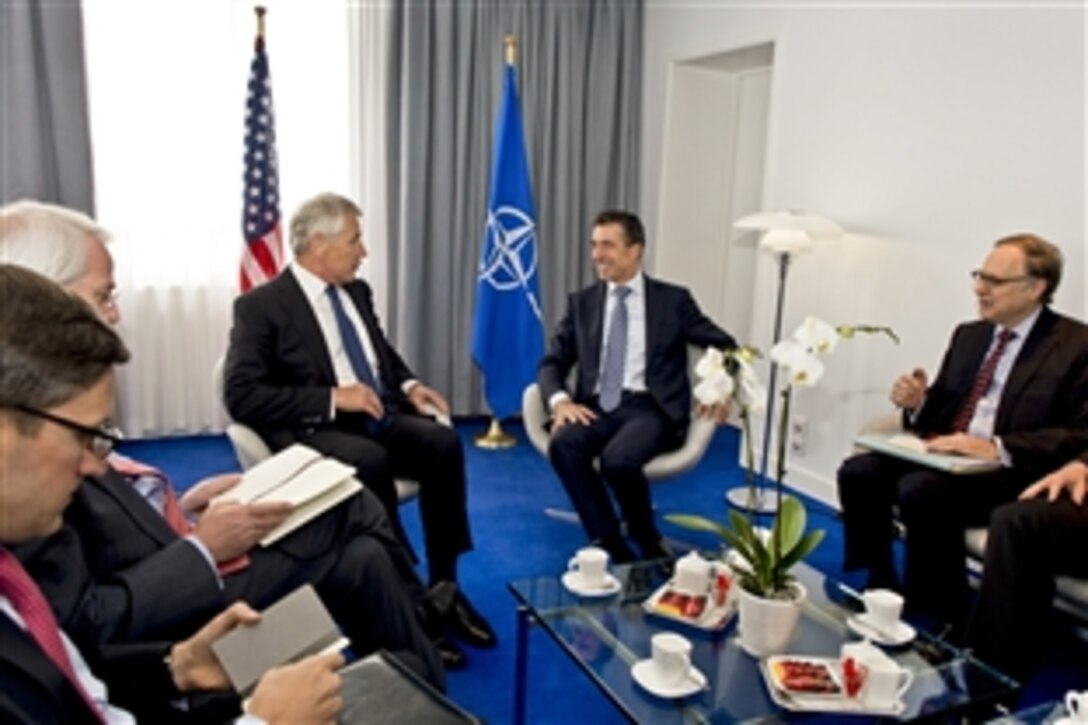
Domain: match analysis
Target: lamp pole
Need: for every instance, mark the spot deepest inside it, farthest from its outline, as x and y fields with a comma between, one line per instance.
x=739, y=497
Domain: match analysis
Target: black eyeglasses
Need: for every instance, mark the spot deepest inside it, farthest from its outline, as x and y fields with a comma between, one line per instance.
x=99, y=441
x=994, y=281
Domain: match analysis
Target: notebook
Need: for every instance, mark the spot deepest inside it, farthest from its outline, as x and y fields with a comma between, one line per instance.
x=911, y=448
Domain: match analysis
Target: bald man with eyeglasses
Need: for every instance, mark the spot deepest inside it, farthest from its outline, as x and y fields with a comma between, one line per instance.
x=1012, y=389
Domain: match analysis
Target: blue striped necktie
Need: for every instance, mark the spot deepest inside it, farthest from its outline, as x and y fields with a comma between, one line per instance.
x=353, y=346
x=615, y=353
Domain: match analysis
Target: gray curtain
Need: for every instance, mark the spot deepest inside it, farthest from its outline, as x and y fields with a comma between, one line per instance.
x=579, y=80
x=45, y=144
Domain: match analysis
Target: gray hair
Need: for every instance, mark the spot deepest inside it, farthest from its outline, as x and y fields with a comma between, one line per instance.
x=48, y=239
x=53, y=346
x=323, y=214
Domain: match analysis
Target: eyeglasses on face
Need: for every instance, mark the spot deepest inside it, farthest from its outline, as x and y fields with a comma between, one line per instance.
x=100, y=441
x=992, y=280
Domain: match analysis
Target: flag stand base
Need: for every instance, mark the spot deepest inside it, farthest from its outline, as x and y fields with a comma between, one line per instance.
x=495, y=438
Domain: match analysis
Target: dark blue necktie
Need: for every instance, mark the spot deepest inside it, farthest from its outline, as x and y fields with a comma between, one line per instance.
x=353, y=347
x=615, y=353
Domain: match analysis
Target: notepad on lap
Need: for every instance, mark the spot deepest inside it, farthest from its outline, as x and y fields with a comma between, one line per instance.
x=911, y=448
x=296, y=626
x=300, y=476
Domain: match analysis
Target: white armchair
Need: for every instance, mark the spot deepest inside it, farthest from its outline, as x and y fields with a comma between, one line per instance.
x=250, y=449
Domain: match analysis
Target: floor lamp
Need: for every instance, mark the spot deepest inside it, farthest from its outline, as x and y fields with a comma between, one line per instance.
x=785, y=235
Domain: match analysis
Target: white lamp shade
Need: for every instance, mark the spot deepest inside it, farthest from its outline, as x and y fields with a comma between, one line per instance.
x=813, y=224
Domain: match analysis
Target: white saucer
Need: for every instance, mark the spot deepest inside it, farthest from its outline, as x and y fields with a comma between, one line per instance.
x=645, y=674
x=572, y=580
x=901, y=633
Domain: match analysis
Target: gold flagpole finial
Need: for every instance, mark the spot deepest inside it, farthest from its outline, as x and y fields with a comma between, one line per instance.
x=260, y=10
x=510, y=44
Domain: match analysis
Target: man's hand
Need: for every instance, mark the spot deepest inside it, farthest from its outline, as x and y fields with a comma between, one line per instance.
x=358, y=398
x=964, y=445
x=719, y=412
x=422, y=397
x=1071, y=478
x=197, y=498
x=910, y=390
x=307, y=691
x=193, y=664
x=567, y=411
x=230, y=529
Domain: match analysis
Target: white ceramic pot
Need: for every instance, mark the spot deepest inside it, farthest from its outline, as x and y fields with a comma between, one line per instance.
x=766, y=626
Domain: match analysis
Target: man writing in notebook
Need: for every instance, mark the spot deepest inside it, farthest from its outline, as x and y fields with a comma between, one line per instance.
x=56, y=401
x=308, y=362
x=131, y=564
x=1013, y=388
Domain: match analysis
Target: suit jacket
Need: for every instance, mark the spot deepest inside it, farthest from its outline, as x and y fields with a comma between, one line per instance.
x=1042, y=417
x=279, y=374
x=32, y=690
x=673, y=321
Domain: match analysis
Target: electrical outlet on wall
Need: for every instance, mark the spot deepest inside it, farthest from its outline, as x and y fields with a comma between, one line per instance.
x=798, y=434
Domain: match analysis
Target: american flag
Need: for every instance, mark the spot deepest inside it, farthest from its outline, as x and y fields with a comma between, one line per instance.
x=263, y=254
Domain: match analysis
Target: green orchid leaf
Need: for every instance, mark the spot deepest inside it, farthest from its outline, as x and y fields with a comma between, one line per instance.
x=790, y=523
x=697, y=523
x=808, y=544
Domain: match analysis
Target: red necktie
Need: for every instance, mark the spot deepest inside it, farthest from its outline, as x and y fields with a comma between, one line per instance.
x=41, y=625
x=171, y=509
x=982, y=382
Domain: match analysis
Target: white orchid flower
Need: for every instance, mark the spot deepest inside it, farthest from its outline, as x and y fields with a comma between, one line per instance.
x=750, y=392
x=802, y=367
x=715, y=388
x=711, y=363
x=818, y=337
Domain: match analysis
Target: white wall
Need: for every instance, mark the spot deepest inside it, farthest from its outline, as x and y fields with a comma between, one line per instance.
x=927, y=132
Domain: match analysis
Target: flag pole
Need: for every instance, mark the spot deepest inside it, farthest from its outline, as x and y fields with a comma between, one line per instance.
x=496, y=438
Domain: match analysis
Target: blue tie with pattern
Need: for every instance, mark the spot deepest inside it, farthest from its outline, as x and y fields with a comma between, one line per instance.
x=615, y=353
x=353, y=347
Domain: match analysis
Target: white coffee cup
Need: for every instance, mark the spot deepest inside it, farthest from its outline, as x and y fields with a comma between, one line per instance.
x=1076, y=705
x=590, y=563
x=671, y=655
x=885, y=683
x=884, y=680
x=883, y=608
x=693, y=575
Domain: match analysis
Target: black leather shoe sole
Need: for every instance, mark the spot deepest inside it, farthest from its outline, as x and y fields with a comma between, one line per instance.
x=469, y=625
x=452, y=656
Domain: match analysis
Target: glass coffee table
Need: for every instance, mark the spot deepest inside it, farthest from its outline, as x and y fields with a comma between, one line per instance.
x=606, y=636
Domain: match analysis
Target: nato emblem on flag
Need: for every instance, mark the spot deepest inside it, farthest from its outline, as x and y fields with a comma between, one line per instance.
x=508, y=331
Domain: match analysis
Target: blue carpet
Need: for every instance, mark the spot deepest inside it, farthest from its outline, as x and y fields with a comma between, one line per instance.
x=508, y=491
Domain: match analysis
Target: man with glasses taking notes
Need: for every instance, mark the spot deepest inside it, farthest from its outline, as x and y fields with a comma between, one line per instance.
x=56, y=398
x=1013, y=389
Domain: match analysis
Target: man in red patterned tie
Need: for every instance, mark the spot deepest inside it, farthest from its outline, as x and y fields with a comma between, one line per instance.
x=56, y=401
x=1012, y=389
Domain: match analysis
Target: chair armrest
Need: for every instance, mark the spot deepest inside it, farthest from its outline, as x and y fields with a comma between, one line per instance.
x=534, y=416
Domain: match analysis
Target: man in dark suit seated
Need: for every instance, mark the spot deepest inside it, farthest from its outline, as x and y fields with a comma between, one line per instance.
x=126, y=568
x=308, y=362
x=56, y=400
x=1013, y=388
x=628, y=335
x=1042, y=535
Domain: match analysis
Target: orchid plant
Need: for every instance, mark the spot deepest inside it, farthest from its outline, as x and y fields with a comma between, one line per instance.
x=728, y=375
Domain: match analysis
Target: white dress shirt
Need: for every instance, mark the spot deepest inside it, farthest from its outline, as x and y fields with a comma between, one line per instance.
x=634, y=365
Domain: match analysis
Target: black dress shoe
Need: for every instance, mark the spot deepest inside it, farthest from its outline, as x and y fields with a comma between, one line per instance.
x=452, y=656
x=469, y=625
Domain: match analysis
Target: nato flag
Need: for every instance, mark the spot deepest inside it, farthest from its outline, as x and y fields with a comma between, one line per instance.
x=508, y=331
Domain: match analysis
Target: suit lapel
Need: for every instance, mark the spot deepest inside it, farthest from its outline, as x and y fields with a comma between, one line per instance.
x=300, y=314
x=17, y=647
x=357, y=291
x=653, y=317
x=595, y=330
x=1034, y=352
x=118, y=488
